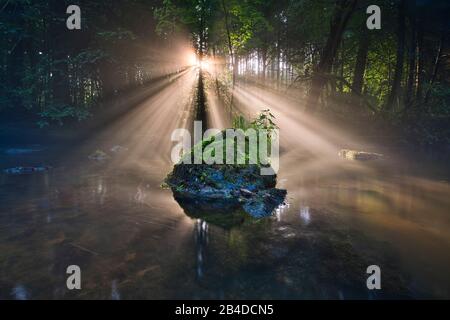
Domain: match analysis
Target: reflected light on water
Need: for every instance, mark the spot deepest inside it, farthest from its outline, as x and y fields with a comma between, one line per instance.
x=280, y=211
x=115, y=294
x=305, y=215
x=140, y=235
x=19, y=292
x=201, y=241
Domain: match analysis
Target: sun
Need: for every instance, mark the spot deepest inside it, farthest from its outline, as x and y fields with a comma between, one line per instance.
x=192, y=59
x=204, y=64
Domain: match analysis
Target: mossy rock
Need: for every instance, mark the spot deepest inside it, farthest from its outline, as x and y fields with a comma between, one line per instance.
x=217, y=186
x=217, y=181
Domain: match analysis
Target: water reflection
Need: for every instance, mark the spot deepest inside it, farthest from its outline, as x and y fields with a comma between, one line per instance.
x=201, y=241
x=115, y=294
x=224, y=214
x=133, y=240
x=141, y=194
x=305, y=215
x=280, y=210
x=19, y=292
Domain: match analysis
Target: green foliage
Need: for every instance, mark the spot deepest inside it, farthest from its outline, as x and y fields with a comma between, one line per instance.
x=239, y=122
x=265, y=121
x=59, y=113
x=114, y=36
x=247, y=20
x=168, y=17
x=439, y=103
x=61, y=75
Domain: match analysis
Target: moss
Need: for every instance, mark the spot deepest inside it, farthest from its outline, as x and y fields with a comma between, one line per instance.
x=359, y=155
x=215, y=142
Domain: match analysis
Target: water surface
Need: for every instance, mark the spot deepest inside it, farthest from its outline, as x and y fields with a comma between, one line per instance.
x=133, y=240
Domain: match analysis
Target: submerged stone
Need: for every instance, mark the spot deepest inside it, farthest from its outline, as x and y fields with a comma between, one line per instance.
x=98, y=155
x=264, y=202
x=26, y=170
x=118, y=149
x=20, y=151
x=359, y=155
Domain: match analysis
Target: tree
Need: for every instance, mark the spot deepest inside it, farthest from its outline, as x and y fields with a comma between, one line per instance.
x=342, y=13
x=361, y=60
x=398, y=73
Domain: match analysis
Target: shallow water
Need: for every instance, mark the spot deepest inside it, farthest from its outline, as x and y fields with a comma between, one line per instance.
x=133, y=240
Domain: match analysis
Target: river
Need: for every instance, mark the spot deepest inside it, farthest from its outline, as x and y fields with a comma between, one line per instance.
x=132, y=240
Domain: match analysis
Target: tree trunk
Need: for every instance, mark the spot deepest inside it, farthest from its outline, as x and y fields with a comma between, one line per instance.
x=411, y=64
x=421, y=65
x=264, y=66
x=341, y=68
x=235, y=69
x=216, y=79
x=60, y=77
x=15, y=60
x=342, y=13
x=435, y=69
x=361, y=61
x=230, y=45
x=396, y=83
x=278, y=62
x=272, y=69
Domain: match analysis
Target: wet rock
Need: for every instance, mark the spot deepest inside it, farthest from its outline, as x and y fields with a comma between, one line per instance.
x=203, y=180
x=246, y=193
x=289, y=235
x=264, y=202
x=359, y=155
x=21, y=151
x=26, y=170
x=224, y=185
x=118, y=149
x=216, y=186
x=99, y=155
x=19, y=292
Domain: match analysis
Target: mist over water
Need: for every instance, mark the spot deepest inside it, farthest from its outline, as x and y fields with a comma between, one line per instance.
x=133, y=240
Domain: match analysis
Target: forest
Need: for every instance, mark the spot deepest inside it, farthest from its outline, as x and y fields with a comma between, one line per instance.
x=319, y=52
x=224, y=149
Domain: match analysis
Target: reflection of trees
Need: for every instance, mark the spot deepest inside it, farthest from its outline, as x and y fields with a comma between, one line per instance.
x=201, y=241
